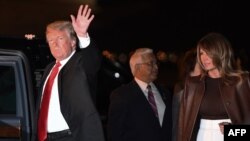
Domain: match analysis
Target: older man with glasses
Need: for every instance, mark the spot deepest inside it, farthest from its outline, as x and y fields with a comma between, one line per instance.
x=140, y=110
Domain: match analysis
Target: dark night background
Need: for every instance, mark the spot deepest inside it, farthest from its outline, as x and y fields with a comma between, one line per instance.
x=120, y=26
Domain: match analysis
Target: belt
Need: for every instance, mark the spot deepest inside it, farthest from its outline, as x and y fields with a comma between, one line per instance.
x=59, y=134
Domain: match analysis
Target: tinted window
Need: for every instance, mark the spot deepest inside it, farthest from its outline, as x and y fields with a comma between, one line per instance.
x=7, y=90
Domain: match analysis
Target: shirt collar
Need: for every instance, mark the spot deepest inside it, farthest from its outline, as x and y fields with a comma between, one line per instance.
x=142, y=85
x=64, y=61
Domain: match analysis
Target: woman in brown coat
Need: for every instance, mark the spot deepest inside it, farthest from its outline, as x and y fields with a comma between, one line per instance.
x=220, y=95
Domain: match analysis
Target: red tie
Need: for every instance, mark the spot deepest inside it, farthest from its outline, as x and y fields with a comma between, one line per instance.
x=43, y=116
x=151, y=100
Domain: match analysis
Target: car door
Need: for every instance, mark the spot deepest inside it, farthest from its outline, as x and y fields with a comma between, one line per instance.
x=17, y=112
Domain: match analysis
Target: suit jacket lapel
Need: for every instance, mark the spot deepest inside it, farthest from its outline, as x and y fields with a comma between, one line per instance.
x=71, y=62
x=143, y=100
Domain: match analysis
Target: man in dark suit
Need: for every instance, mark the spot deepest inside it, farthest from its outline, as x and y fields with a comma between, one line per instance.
x=131, y=115
x=71, y=115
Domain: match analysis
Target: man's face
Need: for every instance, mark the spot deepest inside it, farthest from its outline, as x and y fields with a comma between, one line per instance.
x=148, y=69
x=60, y=43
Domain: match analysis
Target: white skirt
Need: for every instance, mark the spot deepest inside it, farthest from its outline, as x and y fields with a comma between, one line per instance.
x=210, y=131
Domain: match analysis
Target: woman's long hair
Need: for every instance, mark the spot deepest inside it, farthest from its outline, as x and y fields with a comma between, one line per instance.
x=219, y=49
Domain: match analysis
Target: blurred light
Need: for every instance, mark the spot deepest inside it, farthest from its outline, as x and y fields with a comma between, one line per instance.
x=117, y=75
x=109, y=55
x=162, y=56
x=29, y=36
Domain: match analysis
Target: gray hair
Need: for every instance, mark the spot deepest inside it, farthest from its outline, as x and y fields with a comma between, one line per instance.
x=137, y=57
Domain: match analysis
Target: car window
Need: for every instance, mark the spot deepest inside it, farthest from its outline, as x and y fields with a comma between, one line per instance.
x=7, y=90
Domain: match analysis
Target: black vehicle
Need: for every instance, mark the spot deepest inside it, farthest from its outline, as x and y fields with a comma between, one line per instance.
x=17, y=111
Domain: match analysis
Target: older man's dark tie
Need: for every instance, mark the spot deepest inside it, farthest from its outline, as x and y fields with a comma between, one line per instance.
x=151, y=100
x=43, y=115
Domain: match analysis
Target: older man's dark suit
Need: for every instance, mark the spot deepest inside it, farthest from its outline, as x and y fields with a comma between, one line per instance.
x=132, y=119
x=75, y=99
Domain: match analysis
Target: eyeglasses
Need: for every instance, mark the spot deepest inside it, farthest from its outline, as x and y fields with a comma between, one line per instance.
x=151, y=64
